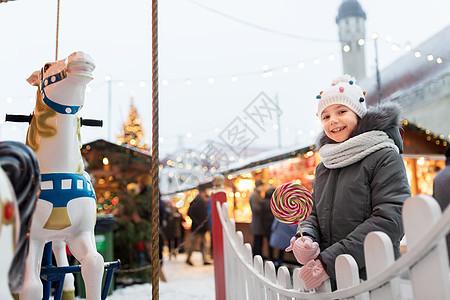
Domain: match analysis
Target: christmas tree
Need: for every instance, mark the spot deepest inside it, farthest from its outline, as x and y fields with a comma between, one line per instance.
x=132, y=132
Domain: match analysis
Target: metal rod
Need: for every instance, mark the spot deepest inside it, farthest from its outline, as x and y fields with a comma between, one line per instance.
x=278, y=121
x=109, y=108
x=378, y=72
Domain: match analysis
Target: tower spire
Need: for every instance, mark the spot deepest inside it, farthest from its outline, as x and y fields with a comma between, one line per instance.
x=351, y=22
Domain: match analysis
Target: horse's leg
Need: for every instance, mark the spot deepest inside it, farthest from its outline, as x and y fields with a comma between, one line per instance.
x=59, y=249
x=83, y=248
x=32, y=285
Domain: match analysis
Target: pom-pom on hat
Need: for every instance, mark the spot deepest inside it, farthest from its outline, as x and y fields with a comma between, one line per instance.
x=343, y=90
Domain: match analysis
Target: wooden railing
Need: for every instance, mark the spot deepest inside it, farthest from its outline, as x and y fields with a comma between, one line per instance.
x=426, y=260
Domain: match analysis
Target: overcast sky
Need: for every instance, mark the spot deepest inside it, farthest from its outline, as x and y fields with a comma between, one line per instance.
x=199, y=41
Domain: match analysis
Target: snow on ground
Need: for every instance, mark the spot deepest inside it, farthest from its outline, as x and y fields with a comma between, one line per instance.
x=183, y=282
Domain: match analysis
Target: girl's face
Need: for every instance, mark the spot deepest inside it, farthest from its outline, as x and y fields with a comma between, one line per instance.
x=338, y=122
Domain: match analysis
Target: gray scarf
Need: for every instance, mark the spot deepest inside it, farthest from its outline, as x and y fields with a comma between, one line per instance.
x=355, y=149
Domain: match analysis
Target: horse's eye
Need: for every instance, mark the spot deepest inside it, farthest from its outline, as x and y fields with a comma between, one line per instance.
x=46, y=67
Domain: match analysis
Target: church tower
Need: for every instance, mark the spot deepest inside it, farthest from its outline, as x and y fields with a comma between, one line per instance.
x=352, y=32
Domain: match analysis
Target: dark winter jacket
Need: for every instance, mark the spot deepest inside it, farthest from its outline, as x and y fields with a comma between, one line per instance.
x=441, y=191
x=366, y=196
x=197, y=212
x=256, y=227
x=266, y=214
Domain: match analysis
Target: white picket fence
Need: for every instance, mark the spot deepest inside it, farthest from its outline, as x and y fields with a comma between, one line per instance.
x=426, y=260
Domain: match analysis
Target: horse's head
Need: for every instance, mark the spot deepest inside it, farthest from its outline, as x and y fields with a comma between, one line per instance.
x=63, y=83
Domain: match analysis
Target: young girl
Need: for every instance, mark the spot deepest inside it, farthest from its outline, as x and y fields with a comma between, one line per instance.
x=360, y=185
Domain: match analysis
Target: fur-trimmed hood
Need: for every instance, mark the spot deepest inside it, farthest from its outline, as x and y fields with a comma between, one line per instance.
x=384, y=117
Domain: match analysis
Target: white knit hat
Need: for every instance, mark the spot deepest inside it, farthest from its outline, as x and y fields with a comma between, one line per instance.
x=343, y=90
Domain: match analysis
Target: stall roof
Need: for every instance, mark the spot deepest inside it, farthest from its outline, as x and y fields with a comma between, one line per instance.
x=409, y=73
x=124, y=161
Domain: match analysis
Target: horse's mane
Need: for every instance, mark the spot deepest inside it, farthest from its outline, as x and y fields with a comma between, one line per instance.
x=38, y=125
x=21, y=166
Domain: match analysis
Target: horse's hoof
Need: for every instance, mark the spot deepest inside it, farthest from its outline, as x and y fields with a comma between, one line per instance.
x=68, y=295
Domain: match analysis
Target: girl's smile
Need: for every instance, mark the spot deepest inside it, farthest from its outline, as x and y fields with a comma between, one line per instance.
x=338, y=122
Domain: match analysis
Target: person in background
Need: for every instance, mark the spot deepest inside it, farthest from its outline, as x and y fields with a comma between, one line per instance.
x=441, y=189
x=173, y=228
x=280, y=238
x=200, y=225
x=256, y=227
x=267, y=218
x=360, y=185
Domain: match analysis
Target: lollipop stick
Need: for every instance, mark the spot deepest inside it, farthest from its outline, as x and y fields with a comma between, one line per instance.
x=301, y=234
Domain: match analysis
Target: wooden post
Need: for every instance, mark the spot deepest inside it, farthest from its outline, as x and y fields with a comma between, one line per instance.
x=217, y=240
x=429, y=276
x=379, y=256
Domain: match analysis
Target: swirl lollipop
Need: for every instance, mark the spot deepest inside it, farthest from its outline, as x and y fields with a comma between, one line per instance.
x=291, y=203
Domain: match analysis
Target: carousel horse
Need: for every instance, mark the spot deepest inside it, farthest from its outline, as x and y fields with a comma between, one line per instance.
x=66, y=209
x=19, y=185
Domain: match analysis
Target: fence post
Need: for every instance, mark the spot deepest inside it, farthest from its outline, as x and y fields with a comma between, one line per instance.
x=296, y=281
x=217, y=241
x=227, y=248
x=429, y=277
x=249, y=278
x=379, y=256
x=347, y=274
x=284, y=280
x=240, y=268
x=269, y=273
x=260, y=289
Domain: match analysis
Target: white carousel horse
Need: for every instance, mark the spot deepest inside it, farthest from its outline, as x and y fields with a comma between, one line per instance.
x=19, y=184
x=66, y=210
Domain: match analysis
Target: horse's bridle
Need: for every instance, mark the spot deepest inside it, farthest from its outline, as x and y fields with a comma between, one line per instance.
x=59, y=108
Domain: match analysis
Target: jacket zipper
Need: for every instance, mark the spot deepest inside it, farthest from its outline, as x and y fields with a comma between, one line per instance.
x=335, y=173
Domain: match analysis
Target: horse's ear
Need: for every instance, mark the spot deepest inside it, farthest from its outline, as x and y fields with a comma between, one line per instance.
x=34, y=78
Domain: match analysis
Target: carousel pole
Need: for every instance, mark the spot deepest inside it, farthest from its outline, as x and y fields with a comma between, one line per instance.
x=57, y=32
x=47, y=254
x=155, y=155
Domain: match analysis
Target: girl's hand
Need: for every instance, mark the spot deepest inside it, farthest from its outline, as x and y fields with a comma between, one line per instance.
x=313, y=274
x=305, y=250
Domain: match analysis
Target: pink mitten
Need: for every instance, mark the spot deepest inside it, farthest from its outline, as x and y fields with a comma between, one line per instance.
x=313, y=274
x=304, y=251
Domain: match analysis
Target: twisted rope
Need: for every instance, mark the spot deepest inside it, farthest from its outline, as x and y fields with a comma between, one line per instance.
x=155, y=155
x=57, y=32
